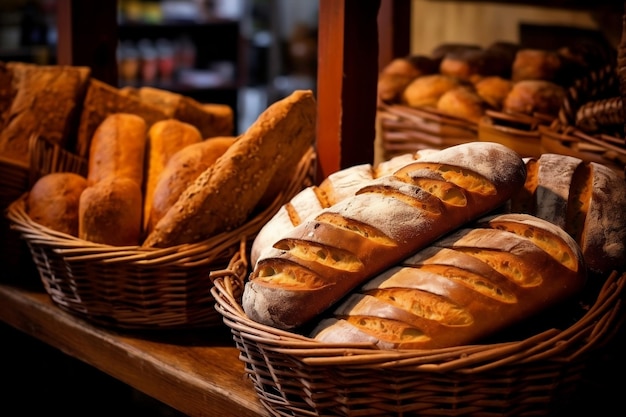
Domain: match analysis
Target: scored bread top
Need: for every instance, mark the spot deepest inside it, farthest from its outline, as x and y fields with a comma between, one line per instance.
x=464, y=287
x=385, y=221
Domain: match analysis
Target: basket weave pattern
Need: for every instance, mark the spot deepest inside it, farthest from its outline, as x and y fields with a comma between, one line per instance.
x=297, y=376
x=141, y=288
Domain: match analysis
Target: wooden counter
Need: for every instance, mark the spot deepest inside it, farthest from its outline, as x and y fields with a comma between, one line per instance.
x=196, y=372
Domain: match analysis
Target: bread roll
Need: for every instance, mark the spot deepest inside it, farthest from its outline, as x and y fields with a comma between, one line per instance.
x=536, y=64
x=425, y=91
x=325, y=257
x=227, y=192
x=586, y=199
x=462, y=102
x=181, y=170
x=494, y=90
x=165, y=138
x=53, y=201
x=463, y=287
x=110, y=212
x=534, y=96
x=118, y=148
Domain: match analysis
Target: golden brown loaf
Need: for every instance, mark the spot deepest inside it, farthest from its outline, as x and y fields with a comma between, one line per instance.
x=181, y=170
x=165, y=138
x=534, y=96
x=53, y=201
x=536, y=64
x=462, y=102
x=110, y=212
x=426, y=91
x=493, y=90
x=586, y=199
x=44, y=100
x=391, y=217
x=462, y=288
x=118, y=148
x=224, y=195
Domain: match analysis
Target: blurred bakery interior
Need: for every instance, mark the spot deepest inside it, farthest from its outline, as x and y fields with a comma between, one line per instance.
x=249, y=53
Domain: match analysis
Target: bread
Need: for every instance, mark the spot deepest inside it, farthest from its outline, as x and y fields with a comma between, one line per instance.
x=425, y=91
x=53, y=201
x=463, y=288
x=210, y=119
x=165, y=138
x=462, y=102
x=118, y=148
x=224, y=195
x=586, y=199
x=336, y=187
x=536, y=64
x=391, y=217
x=397, y=74
x=534, y=96
x=464, y=64
x=45, y=101
x=102, y=100
x=181, y=170
x=493, y=90
x=110, y=212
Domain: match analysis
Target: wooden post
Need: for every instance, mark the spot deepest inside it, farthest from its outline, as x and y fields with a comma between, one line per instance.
x=346, y=83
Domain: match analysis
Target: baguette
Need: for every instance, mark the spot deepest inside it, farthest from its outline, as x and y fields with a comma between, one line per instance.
x=586, y=199
x=325, y=257
x=165, y=138
x=224, y=195
x=462, y=288
x=118, y=148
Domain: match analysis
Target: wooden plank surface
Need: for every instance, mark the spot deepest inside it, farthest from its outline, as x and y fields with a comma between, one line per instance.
x=196, y=372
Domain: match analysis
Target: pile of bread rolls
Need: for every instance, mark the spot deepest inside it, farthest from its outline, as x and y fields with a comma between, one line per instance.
x=165, y=184
x=438, y=248
x=465, y=80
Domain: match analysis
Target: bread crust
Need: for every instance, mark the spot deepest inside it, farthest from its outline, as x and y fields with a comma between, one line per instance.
x=224, y=195
x=322, y=259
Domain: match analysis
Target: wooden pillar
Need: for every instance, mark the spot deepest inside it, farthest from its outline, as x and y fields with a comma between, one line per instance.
x=87, y=36
x=346, y=84
x=394, y=30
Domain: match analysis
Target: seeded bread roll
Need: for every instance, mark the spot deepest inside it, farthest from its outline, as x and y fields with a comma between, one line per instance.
x=463, y=287
x=53, y=201
x=117, y=148
x=586, y=199
x=110, y=212
x=391, y=217
x=165, y=138
x=181, y=170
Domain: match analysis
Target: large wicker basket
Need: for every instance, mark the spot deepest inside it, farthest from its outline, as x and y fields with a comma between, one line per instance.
x=542, y=374
x=141, y=288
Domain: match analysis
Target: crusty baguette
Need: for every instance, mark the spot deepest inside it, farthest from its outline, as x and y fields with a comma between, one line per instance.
x=53, y=201
x=118, y=148
x=586, y=199
x=181, y=170
x=224, y=195
x=165, y=138
x=462, y=288
x=110, y=212
x=393, y=216
x=308, y=202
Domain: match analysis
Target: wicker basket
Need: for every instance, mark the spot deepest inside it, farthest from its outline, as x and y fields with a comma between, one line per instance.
x=544, y=373
x=15, y=179
x=405, y=129
x=141, y=288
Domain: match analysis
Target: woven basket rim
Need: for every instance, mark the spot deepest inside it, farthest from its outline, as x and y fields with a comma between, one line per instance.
x=201, y=253
x=592, y=330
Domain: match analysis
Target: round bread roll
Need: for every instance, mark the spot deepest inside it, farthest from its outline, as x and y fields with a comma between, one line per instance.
x=425, y=91
x=534, y=96
x=396, y=75
x=462, y=102
x=493, y=90
x=53, y=201
x=536, y=64
x=110, y=212
x=181, y=170
x=464, y=64
x=391, y=86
